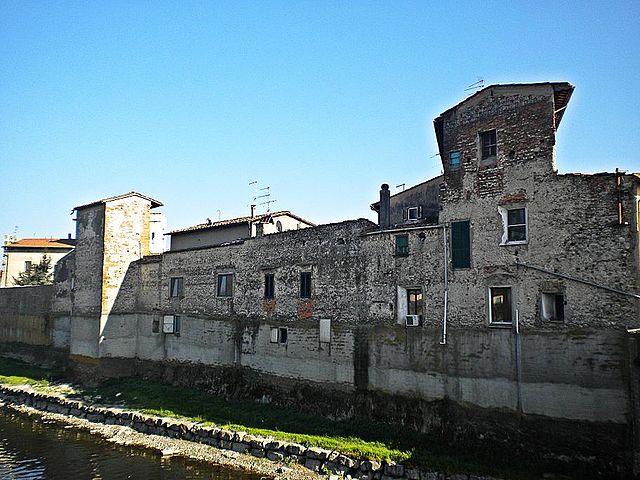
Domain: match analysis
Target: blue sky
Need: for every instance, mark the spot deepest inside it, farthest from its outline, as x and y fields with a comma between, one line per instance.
x=322, y=101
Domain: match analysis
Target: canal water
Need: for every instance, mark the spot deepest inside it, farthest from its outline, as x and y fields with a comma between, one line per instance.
x=31, y=448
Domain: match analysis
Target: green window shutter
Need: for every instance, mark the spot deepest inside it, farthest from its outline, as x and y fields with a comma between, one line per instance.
x=460, y=245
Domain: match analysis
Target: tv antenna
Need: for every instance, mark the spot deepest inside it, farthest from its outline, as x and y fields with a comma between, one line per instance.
x=476, y=85
x=401, y=185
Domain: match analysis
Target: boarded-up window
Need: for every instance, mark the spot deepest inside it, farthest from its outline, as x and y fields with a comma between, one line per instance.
x=325, y=330
x=460, y=245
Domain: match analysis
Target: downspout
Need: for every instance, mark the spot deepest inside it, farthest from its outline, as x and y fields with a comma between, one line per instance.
x=518, y=347
x=445, y=263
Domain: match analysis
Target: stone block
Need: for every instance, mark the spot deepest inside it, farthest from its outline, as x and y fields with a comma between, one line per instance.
x=313, y=464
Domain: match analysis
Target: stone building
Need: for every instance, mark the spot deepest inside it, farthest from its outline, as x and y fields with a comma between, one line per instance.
x=498, y=316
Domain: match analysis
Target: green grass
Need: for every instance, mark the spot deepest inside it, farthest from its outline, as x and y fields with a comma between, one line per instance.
x=364, y=439
x=14, y=372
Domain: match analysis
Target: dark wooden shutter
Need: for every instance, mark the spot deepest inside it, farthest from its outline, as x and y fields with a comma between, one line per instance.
x=460, y=245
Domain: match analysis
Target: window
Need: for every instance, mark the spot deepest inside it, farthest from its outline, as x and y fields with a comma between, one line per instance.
x=305, y=284
x=402, y=245
x=225, y=285
x=516, y=225
x=279, y=225
x=552, y=307
x=176, y=287
x=412, y=213
x=488, y=145
x=171, y=324
x=269, y=285
x=27, y=266
x=460, y=245
x=414, y=301
x=500, y=308
x=454, y=160
x=279, y=335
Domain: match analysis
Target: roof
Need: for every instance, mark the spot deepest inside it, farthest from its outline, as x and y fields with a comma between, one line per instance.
x=154, y=203
x=561, y=94
x=235, y=221
x=44, y=243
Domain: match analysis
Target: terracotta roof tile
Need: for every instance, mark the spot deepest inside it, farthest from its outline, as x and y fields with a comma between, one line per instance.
x=42, y=243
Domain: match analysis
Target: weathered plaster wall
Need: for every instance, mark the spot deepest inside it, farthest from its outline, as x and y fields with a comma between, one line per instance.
x=425, y=195
x=89, y=255
x=204, y=238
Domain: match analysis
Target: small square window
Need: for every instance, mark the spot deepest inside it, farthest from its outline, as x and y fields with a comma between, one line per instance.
x=500, y=307
x=225, y=285
x=412, y=213
x=454, y=160
x=552, y=307
x=176, y=287
x=402, y=245
x=488, y=144
x=305, y=284
x=269, y=285
x=279, y=335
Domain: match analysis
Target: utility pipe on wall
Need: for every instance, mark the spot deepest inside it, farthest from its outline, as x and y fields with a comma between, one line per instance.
x=445, y=263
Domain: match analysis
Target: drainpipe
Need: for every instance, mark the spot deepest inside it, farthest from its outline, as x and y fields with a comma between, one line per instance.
x=518, y=347
x=445, y=262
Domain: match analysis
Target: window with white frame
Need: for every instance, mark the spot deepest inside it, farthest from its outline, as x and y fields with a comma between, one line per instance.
x=279, y=335
x=500, y=306
x=413, y=213
x=552, y=306
x=515, y=225
x=176, y=287
x=225, y=285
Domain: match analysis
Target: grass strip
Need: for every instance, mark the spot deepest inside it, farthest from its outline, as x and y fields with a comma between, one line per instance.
x=362, y=439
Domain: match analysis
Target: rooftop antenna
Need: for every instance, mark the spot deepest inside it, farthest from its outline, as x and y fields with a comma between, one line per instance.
x=477, y=85
x=401, y=185
x=267, y=195
x=219, y=214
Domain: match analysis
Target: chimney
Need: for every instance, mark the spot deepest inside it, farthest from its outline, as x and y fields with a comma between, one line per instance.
x=253, y=210
x=384, y=213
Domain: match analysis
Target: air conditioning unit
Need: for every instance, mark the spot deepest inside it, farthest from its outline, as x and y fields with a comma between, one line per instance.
x=169, y=324
x=412, y=320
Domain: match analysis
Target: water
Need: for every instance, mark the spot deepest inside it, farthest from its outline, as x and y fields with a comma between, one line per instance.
x=33, y=449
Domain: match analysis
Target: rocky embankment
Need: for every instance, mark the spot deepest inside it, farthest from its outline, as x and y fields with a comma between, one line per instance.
x=168, y=436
